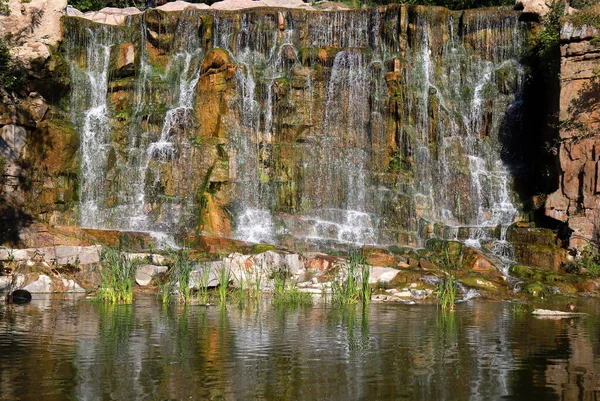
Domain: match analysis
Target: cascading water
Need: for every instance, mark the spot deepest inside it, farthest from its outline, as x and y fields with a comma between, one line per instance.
x=375, y=126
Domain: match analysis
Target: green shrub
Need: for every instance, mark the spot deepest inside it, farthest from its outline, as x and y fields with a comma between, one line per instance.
x=548, y=49
x=4, y=9
x=447, y=287
x=12, y=73
x=587, y=264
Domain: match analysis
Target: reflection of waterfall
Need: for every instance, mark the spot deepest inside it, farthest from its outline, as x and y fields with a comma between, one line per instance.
x=366, y=127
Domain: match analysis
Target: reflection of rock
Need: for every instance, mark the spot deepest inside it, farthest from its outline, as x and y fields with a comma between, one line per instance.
x=20, y=297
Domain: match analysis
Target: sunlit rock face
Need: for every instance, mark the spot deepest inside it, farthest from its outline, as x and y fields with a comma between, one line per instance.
x=576, y=201
x=380, y=126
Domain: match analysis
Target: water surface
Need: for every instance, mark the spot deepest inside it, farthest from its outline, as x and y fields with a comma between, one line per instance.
x=61, y=348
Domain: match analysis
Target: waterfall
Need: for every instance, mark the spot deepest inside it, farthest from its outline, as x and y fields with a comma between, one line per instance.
x=379, y=126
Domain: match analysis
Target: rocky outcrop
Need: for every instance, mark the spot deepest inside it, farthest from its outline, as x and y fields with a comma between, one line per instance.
x=577, y=200
x=32, y=28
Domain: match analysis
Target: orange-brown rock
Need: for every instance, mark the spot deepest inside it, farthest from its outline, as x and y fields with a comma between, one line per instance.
x=477, y=262
x=577, y=198
x=124, y=60
x=379, y=257
x=217, y=245
x=216, y=72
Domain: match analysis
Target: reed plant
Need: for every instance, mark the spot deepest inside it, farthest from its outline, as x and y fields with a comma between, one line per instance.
x=182, y=273
x=203, y=278
x=446, y=293
x=257, y=284
x=118, y=276
x=351, y=284
x=285, y=292
x=224, y=274
x=240, y=294
x=447, y=286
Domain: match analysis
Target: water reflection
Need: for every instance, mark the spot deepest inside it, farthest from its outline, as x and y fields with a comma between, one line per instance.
x=63, y=348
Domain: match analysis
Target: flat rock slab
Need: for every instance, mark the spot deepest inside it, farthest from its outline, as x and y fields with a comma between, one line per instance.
x=45, y=285
x=382, y=274
x=555, y=313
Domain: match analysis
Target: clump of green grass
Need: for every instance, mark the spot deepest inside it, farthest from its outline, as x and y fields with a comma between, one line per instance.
x=446, y=293
x=224, y=275
x=203, y=278
x=587, y=264
x=285, y=292
x=118, y=276
x=182, y=272
x=352, y=284
x=447, y=286
x=179, y=277
x=519, y=309
x=589, y=15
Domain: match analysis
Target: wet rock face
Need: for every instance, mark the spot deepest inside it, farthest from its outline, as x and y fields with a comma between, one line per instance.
x=577, y=201
x=375, y=126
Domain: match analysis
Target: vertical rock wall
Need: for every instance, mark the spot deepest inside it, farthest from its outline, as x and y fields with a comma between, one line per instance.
x=577, y=200
x=378, y=126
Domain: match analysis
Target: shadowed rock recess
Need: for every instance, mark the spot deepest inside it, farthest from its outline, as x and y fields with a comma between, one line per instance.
x=298, y=127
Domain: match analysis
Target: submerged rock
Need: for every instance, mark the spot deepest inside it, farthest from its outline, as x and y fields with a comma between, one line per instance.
x=20, y=297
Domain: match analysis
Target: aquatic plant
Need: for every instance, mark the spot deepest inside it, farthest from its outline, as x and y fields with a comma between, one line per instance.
x=285, y=292
x=352, y=284
x=447, y=286
x=118, y=276
x=224, y=274
x=587, y=264
x=240, y=294
x=446, y=293
x=519, y=309
x=203, y=279
x=182, y=272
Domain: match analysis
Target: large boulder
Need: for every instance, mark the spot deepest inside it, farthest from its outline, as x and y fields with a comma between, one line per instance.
x=33, y=28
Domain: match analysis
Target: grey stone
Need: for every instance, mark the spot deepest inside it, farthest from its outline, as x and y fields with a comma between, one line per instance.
x=145, y=273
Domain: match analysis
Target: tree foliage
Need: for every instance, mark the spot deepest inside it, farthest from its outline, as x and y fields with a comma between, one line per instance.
x=12, y=74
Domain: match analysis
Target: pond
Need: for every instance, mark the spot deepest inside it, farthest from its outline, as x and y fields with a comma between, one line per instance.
x=60, y=348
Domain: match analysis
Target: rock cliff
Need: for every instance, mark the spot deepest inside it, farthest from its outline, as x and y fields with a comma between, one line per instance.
x=577, y=200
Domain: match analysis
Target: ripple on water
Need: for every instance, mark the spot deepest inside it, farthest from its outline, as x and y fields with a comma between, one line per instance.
x=482, y=351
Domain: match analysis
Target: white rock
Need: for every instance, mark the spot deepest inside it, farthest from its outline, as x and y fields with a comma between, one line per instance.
x=11, y=282
x=42, y=285
x=34, y=39
x=418, y=294
x=17, y=255
x=382, y=274
x=153, y=258
x=71, y=286
x=145, y=273
x=197, y=277
x=312, y=290
x=181, y=5
x=66, y=254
